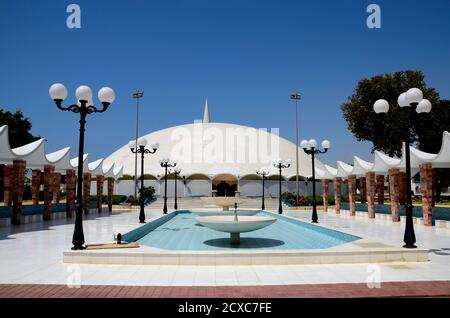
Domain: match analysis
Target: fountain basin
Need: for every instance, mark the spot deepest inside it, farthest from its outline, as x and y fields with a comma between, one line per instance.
x=228, y=224
x=224, y=202
x=219, y=212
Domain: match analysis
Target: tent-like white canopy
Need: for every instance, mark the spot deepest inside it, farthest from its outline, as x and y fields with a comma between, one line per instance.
x=36, y=158
x=382, y=162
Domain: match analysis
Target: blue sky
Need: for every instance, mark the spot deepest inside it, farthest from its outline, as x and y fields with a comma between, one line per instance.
x=246, y=56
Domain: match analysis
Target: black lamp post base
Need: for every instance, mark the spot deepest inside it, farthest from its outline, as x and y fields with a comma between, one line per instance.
x=141, y=221
x=314, y=221
x=78, y=248
x=409, y=246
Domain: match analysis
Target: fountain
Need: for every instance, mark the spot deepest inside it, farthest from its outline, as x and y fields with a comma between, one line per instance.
x=217, y=211
x=224, y=202
x=235, y=225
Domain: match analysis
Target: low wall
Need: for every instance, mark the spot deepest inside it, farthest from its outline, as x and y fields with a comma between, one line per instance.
x=197, y=188
x=439, y=213
x=34, y=213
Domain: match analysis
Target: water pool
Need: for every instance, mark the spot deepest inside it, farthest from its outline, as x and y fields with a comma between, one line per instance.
x=180, y=231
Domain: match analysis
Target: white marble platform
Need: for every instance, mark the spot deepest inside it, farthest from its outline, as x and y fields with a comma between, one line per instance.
x=33, y=253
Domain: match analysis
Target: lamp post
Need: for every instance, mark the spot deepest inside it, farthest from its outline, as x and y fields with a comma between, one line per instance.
x=106, y=95
x=281, y=164
x=137, y=95
x=141, y=143
x=263, y=173
x=296, y=96
x=309, y=147
x=412, y=98
x=165, y=163
x=176, y=172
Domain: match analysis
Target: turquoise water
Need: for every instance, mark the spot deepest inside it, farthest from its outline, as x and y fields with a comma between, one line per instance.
x=182, y=232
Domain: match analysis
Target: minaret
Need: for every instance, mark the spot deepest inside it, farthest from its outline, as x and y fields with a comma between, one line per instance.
x=206, y=112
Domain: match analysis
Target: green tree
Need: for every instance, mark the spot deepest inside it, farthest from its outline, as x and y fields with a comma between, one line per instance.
x=19, y=135
x=147, y=192
x=388, y=131
x=19, y=128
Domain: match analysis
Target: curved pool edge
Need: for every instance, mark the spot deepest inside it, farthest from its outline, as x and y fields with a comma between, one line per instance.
x=139, y=232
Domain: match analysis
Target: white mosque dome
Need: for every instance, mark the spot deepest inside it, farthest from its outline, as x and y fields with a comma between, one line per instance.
x=212, y=149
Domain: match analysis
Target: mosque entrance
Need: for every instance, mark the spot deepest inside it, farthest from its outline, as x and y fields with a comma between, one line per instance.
x=224, y=185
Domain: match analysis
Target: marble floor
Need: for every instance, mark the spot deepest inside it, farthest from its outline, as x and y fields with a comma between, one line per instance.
x=32, y=254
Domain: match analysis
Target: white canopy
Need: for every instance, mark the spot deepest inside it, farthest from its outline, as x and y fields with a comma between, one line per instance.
x=36, y=158
x=382, y=162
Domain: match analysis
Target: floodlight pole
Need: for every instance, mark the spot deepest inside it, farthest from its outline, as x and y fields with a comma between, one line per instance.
x=137, y=95
x=296, y=96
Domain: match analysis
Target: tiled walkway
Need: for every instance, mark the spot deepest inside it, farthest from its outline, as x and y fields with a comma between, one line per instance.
x=394, y=289
x=32, y=254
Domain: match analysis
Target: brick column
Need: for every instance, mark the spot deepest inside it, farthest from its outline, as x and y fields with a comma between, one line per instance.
x=370, y=183
x=363, y=189
x=48, y=191
x=71, y=184
x=426, y=188
x=17, y=187
x=7, y=187
x=100, y=181
x=35, y=185
x=325, y=193
x=86, y=191
x=434, y=188
x=56, y=187
x=380, y=188
x=337, y=195
x=352, y=194
x=110, y=192
x=402, y=185
x=394, y=190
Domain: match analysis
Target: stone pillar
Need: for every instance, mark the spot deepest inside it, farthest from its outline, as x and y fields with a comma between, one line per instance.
x=7, y=187
x=370, y=183
x=380, y=188
x=71, y=184
x=337, y=195
x=17, y=188
x=402, y=186
x=56, y=187
x=86, y=191
x=325, y=193
x=352, y=194
x=394, y=190
x=35, y=185
x=426, y=188
x=363, y=189
x=100, y=181
x=48, y=191
x=110, y=193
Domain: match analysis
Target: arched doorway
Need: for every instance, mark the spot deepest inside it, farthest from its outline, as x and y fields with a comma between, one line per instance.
x=225, y=185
